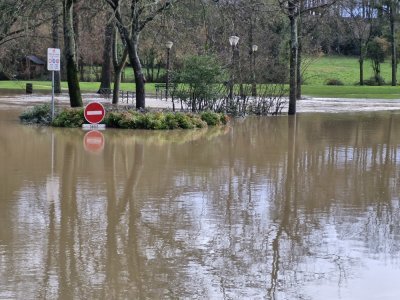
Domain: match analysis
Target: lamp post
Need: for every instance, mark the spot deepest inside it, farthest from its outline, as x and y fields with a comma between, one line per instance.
x=168, y=45
x=254, y=49
x=233, y=41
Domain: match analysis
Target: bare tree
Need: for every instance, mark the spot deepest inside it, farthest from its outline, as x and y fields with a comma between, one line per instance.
x=17, y=17
x=293, y=9
x=70, y=55
x=359, y=20
x=130, y=25
x=105, y=82
x=391, y=9
x=56, y=43
x=118, y=64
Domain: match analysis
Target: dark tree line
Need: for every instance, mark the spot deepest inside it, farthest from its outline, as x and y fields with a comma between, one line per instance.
x=113, y=33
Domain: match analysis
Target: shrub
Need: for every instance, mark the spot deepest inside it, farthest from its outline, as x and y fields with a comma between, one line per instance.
x=184, y=121
x=211, y=118
x=155, y=121
x=131, y=119
x=376, y=51
x=375, y=81
x=198, y=122
x=201, y=75
x=39, y=114
x=224, y=118
x=333, y=81
x=69, y=117
x=171, y=121
x=112, y=119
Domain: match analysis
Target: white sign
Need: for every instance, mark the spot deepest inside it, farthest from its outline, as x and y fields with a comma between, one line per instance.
x=93, y=126
x=53, y=59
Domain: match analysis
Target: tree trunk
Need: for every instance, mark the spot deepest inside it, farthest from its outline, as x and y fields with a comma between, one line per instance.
x=298, y=71
x=76, y=25
x=117, y=87
x=70, y=56
x=130, y=36
x=105, y=82
x=118, y=67
x=56, y=44
x=293, y=57
x=131, y=41
x=137, y=70
x=299, y=54
x=393, y=44
x=361, y=64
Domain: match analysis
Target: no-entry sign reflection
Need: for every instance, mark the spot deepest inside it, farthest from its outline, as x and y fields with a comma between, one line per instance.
x=93, y=141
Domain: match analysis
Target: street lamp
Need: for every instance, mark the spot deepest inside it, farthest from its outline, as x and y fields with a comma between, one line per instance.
x=168, y=45
x=254, y=49
x=233, y=41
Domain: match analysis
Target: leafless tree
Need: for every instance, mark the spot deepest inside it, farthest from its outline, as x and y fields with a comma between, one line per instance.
x=70, y=54
x=130, y=24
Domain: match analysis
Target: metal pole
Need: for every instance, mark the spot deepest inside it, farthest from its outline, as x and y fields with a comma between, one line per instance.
x=52, y=95
x=167, y=80
x=254, y=87
x=231, y=84
x=52, y=154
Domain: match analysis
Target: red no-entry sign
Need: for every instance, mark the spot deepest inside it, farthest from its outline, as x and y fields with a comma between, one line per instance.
x=94, y=112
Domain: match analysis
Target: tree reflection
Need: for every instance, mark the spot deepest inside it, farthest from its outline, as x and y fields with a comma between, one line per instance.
x=272, y=208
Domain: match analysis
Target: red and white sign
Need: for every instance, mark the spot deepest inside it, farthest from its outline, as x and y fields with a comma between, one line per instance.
x=94, y=112
x=53, y=59
x=93, y=141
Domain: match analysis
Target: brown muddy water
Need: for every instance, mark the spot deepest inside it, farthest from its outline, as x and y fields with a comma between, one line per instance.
x=267, y=208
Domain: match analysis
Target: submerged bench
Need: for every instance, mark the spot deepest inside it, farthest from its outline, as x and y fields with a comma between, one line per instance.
x=105, y=91
x=124, y=96
x=160, y=88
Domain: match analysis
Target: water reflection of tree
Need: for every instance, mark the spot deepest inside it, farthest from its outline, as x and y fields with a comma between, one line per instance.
x=249, y=214
x=338, y=169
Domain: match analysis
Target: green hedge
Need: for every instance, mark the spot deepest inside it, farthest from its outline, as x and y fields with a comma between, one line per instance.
x=129, y=119
x=39, y=114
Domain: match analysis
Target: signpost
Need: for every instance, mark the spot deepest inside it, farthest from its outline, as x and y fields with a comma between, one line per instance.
x=53, y=64
x=94, y=140
x=94, y=113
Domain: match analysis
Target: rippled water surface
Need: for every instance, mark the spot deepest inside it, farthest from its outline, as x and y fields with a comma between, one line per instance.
x=267, y=208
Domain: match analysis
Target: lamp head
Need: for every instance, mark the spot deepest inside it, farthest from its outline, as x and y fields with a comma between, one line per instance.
x=233, y=40
x=169, y=44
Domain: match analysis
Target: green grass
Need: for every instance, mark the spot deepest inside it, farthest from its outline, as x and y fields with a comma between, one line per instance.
x=344, y=68
x=90, y=87
x=367, y=92
x=93, y=72
x=320, y=69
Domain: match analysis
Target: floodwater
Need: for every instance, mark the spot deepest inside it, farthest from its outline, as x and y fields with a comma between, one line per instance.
x=302, y=207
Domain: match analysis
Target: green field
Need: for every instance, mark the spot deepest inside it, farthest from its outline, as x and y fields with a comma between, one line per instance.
x=346, y=69
x=90, y=87
x=317, y=71
x=367, y=92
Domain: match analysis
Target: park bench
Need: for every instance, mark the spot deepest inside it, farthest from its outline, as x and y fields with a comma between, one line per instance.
x=105, y=92
x=124, y=96
x=160, y=89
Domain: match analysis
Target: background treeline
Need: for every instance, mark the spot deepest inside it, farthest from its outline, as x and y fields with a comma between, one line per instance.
x=297, y=29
